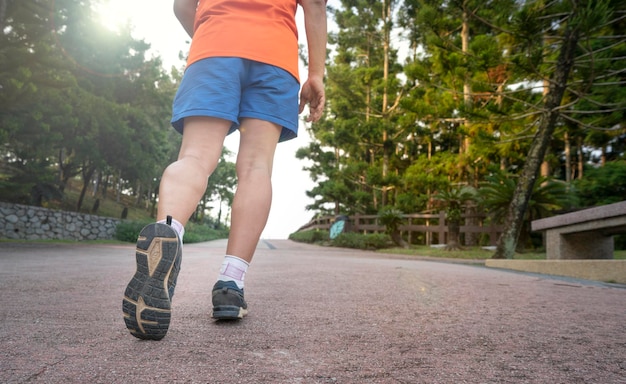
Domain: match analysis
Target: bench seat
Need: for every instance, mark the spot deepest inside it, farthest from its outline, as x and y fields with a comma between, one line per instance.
x=584, y=234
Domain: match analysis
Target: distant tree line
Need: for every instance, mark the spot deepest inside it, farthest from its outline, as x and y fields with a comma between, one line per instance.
x=79, y=101
x=515, y=108
x=520, y=101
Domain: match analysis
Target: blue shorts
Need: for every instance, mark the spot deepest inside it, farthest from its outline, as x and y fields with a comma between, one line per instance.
x=232, y=88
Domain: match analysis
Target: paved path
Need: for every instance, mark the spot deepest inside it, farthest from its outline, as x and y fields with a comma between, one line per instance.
x=317, y=315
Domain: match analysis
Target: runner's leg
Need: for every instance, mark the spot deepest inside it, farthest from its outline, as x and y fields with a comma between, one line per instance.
x=184, y=182
x=251, y=205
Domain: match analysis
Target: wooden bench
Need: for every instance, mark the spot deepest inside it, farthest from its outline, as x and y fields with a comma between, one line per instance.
x=585, y=234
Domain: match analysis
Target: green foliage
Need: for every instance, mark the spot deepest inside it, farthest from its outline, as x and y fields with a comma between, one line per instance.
x=427, y=175
x=548, y=196
x=469, y=97
x=345, y=239
x=391, y=218
x=78, y=97
x=453, y=199
x=603, y=185
x=81, y=102
x=362, y=241
x=197, y=233
x=128, y=231
x=311, y=237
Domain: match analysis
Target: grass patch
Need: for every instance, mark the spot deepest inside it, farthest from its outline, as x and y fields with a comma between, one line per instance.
x=473, y=253
x=469, y=253
x=381, y=243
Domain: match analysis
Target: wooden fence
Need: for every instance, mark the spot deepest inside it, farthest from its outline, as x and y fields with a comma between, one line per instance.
x=418, y=228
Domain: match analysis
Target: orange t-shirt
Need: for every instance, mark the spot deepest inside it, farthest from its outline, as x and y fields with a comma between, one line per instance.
x=259, y=30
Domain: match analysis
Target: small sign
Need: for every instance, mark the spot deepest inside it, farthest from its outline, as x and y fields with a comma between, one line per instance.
x=337, y=227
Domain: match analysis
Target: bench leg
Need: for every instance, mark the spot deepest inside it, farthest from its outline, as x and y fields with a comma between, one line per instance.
x=581, y=245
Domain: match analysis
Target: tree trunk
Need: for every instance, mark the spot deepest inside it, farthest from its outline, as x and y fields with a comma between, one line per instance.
x=507, y=242
x=62, y=178
x=138, y=192
x=568, y=159
x=471, y=220
x=603, y=156
x=471, y=239
x=154, y=200
x=581, y=160
x=88, y=171
x=118, y=188
x=386, y=16
x=454, y=232
x=396, y=237
x=105, y=185
x=464, y=144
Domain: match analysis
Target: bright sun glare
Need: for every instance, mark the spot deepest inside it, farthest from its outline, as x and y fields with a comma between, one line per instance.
x=115, y=13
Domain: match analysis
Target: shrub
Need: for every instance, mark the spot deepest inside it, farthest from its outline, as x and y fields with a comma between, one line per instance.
x=311, y=237
x=362, y=241
x=197, y=233
x=391, y=218
x=194, y=233
x=129, y=230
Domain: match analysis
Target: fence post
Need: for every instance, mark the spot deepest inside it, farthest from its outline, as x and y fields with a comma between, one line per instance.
x=442, y=228
x=410, y=233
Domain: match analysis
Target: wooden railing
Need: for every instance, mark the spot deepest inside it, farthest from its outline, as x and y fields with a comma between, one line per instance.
x=419, y=228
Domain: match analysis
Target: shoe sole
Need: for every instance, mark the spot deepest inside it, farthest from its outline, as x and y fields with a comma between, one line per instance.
x=229, y=312
x=146, y=304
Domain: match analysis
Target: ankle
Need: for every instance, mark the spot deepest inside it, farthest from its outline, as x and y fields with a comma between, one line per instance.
x=233, y=269
x=176, y=225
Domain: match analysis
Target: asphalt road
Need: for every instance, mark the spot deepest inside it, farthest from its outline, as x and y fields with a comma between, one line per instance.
x=317, y=315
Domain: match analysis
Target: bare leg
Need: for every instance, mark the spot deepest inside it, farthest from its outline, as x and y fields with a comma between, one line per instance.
x=251, y=205
x=184, y=182
x=147, y=298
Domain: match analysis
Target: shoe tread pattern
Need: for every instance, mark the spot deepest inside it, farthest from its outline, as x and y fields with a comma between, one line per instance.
x=147, y=302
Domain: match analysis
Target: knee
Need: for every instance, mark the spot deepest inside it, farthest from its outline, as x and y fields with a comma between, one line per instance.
x=253, y=170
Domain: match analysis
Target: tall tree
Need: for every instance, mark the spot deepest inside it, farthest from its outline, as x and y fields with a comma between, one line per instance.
x=360, y=128
x=567, y=25
x=31, y=75
x=79, y=97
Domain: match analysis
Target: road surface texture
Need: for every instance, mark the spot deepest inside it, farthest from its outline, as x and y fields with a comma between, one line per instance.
x=317, y=315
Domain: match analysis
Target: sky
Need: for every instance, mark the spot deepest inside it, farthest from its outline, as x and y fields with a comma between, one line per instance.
x=154, y=22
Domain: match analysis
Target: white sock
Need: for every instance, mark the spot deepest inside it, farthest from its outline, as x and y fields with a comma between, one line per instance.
x=177, y=226
x=233, y=269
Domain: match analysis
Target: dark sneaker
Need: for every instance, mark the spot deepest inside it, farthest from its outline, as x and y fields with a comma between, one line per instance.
x=148, y=297
x=228, y=302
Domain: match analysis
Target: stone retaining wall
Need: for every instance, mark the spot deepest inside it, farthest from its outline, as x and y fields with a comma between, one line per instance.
x=35, y=223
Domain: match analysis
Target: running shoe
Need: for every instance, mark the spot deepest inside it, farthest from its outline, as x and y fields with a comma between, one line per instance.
x=147, y=303
x=228, y=302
